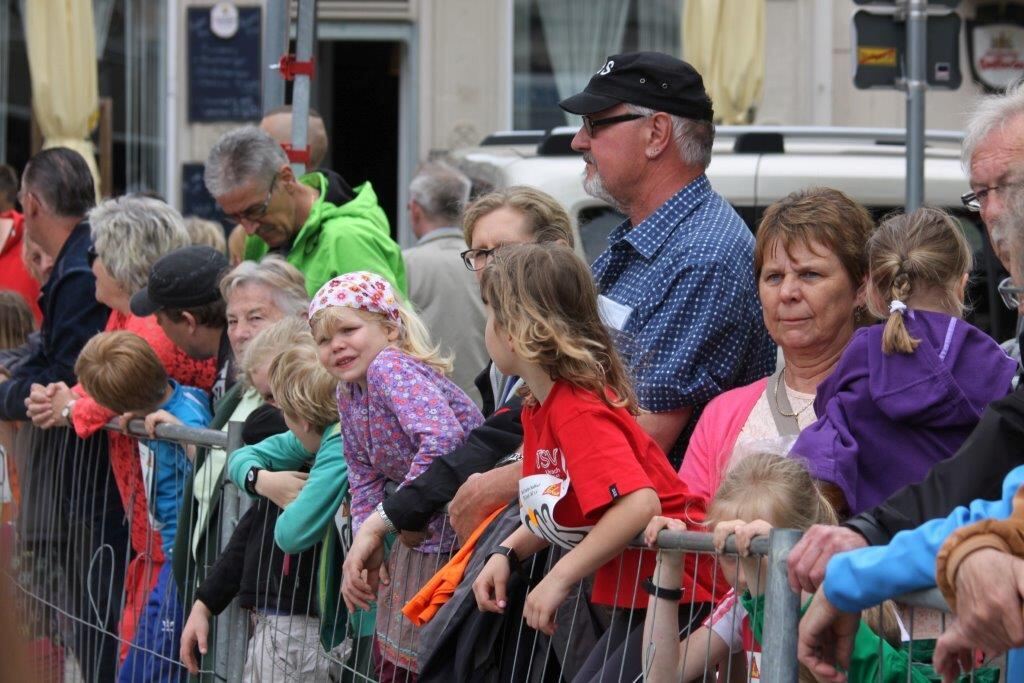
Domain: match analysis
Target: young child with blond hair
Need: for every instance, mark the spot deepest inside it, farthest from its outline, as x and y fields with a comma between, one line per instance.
x=760, y=491
x=398, y=413
x=122, y=373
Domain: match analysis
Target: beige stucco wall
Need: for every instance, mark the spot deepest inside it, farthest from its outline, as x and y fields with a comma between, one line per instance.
x=792, y=40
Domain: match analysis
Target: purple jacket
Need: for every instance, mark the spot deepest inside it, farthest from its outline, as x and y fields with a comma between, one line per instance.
x=885, y=420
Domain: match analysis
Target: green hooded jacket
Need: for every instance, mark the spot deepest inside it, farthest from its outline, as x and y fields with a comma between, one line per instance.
x=340, y=239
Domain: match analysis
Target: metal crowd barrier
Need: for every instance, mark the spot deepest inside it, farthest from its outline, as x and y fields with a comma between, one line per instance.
x=80, y=562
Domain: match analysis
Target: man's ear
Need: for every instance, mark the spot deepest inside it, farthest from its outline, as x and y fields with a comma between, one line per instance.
x=660, y=135
x=191, y=320
x=286, y=176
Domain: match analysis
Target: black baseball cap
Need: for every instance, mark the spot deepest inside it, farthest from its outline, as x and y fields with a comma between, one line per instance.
x=184, y=278
x=646, y=79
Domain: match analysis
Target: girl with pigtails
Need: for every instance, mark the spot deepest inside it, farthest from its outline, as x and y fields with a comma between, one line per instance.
x=905, y=393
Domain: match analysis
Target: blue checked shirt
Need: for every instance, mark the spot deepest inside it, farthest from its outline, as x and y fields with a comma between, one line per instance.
x=684, y=302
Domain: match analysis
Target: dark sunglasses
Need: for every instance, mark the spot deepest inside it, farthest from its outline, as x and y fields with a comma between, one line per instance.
x=591, y=124
x=91, y=255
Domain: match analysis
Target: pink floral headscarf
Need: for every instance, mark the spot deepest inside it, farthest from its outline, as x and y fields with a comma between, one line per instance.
x=363, y=291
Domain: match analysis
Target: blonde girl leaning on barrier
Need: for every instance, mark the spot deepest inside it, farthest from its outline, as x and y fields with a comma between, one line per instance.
x=760, y=491
x=398, y=412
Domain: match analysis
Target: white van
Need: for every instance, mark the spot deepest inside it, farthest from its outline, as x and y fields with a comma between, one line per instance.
x=752, y=167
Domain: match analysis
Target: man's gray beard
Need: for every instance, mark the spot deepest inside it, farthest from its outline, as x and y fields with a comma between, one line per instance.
x=594, y=186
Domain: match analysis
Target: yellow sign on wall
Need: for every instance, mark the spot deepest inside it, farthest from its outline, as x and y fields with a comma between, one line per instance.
x=876, y=56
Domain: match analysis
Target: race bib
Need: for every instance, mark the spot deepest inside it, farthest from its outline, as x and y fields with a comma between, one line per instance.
x=539, y=495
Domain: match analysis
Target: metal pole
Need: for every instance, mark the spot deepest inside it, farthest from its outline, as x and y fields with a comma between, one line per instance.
x=232, y=628
x=275, y=44
x=917, y=33
x=781, y=610
x=305, y=40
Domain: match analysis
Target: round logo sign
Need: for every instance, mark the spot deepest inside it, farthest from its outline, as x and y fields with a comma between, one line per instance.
x=224, y=19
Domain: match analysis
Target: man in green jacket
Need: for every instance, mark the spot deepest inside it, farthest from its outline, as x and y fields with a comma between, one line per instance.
x=321, y=233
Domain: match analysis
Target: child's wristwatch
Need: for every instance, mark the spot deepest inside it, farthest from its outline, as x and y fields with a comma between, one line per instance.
x=250, y=479
x=509, y=554
x=655, y=591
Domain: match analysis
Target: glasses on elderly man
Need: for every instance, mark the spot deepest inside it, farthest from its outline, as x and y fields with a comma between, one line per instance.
x=256, y=211
x=591, y=124
x=974, y=200
x=91, y=255
x=476, y=259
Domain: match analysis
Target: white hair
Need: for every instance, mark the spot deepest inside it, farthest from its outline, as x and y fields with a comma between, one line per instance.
x=991, y=112
x=441, y=191
x=241, y=156
x=130, y=233
x=283, y=280
x=693, y=138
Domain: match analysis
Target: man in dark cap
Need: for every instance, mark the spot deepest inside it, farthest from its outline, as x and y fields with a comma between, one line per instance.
x=184, y=293
x=677, y=277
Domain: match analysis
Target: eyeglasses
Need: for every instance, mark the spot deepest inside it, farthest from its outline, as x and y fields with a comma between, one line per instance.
x=476, y=259
x=256, y=211
x=91, y=255
x=1010, y=293
x=590, y=124
x=974, y=200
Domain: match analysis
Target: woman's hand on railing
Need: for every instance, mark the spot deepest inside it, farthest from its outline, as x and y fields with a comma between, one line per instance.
x=826, y=639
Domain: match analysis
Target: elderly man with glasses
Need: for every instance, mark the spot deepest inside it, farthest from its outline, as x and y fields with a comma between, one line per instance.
x=302, y=219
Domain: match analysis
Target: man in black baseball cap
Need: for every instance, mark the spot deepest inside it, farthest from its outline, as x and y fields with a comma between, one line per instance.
x=677, y=277
x=647, y=79
x=184, y=293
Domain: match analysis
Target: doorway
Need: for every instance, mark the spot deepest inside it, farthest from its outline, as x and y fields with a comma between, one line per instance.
x=357, y=90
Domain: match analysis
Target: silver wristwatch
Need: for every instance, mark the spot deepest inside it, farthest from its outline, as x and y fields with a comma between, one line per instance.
x=387, y=521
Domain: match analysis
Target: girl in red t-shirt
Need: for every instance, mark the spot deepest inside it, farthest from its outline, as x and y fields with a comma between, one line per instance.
x=592, y=478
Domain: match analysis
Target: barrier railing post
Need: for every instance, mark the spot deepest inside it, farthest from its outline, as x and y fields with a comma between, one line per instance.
x=781, y=610
x=231, y=625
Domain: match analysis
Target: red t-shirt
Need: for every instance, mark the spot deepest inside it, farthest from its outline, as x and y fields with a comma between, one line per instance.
x=13, y=274
x=579, y=456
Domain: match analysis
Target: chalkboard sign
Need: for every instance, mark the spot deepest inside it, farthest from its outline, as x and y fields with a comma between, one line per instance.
x=224, y=73
x=195, y=200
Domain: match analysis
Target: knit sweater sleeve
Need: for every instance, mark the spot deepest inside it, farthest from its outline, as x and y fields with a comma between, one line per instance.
x=1005, y=535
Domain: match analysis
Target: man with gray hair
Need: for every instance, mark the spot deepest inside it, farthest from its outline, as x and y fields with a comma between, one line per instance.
x=444, y=292
x=677, y=278
x=248, y=174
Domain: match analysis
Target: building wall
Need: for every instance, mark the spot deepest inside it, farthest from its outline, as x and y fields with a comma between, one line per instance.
x=794, y=38
x=461, y=58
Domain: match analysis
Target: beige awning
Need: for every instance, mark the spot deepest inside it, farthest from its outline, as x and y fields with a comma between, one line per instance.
x=61, y=48
x=724, y=41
